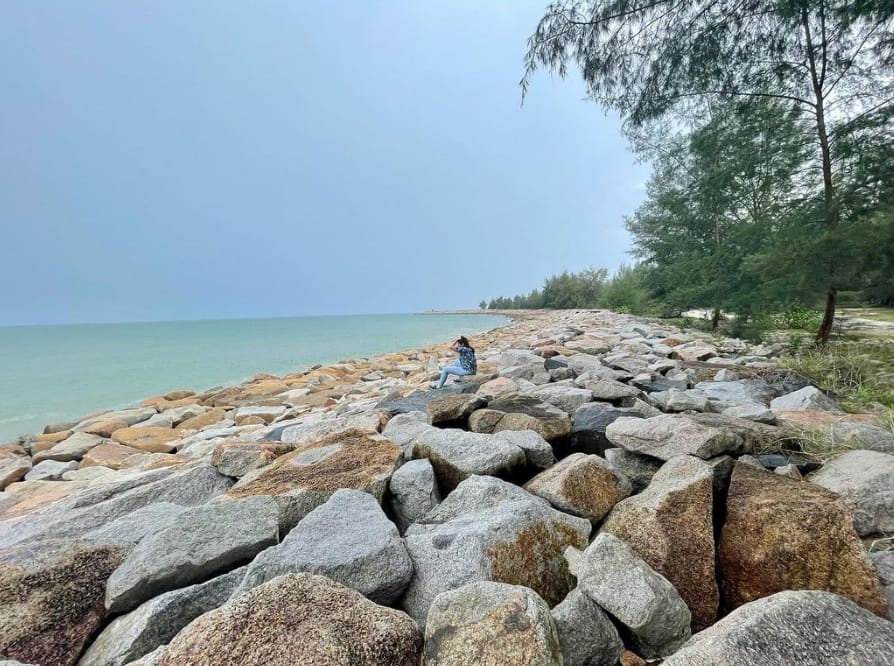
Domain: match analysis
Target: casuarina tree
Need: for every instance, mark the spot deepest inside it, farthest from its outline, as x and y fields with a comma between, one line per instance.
x=653, y=58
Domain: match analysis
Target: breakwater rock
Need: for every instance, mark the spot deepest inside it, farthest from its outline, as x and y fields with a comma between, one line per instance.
x=605, y=490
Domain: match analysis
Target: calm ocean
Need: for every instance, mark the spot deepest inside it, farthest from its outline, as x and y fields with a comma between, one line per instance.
x=59, y=373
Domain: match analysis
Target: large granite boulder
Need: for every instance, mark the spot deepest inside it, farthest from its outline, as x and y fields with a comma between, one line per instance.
x=610, y=390
x=454, y=408
x=236, y=458
x=782, y=534
x=861, y=436
x=670, y=526
x=587, y=635
x=488, y=529
x=52, y=598
x=738, y=392
x=538, y=452
x=525, y=412
x=418, y=401
x=349, y=540
x=807, y=628
x=670, y=435
x=456, y=455
x=583, y=485
x=14, y=464
x=641, y=600
x=304, y=479
x=297, y=620
x=74, y=447
x=93, y=507
x=808, y=397
x=199, y=543
x=490, y=623
x=414, y=492
x=129, y=529
x=565, y=397
x=883, y=561
x=157, y=621
x=865, y=480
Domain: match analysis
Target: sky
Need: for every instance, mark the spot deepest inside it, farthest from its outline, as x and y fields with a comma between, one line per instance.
x=183, y=159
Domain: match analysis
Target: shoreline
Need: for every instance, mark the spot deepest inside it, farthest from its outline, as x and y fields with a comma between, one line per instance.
x=55, y=413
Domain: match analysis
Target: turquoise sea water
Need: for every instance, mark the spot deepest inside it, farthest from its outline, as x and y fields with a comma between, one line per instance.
x=59, y=373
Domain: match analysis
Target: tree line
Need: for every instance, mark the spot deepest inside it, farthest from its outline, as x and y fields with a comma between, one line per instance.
x=769, y=125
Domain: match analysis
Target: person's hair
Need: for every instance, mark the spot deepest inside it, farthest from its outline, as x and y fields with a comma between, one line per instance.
x=464, y=341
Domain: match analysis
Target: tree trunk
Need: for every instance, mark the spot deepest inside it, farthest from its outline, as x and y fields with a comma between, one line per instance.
x=822, y=336
x=715, y=320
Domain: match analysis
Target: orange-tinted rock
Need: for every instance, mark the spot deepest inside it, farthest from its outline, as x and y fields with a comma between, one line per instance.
x=307, y=477
x=297, y=620
x=153, y=440
x=670, y=526
x=14, y=464
x=209, y=418
x=782, y=534
x=53, y=593
x=48, y=441
x=810, y=418
x=266, y=387
x=105, y=428
x=109, y=455
x=178, y=395
x=31, y=495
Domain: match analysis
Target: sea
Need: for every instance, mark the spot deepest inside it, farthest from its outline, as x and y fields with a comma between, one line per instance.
x=60, y=373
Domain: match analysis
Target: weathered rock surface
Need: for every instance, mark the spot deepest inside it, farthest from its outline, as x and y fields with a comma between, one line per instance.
x=805, y=627
x=490, y=623
x=304, y=479
x=643, y=601
x=865, y=480
x=200, y=543
x=583, y=485
x=73, y=448
x=883, y=562
x=586, y=634
x=93, y=507
x=52, y=599
x=129, y=529
x=862, y=436
x=414, y=492
x=238, y=458
x=349, y=540
x=297, y=620
x=638, y=468
x=488, y=529
x=456, y=455
x=151, y=440
x=567, y=398
x=808, y=397
x=451, y=408
x=589, y=424
x=50, y=470
x=669, y=435
x=157, y=621
x=669, y=525
x=782, y=534
x=14, y=464
x=538, y=452
x=529, y=413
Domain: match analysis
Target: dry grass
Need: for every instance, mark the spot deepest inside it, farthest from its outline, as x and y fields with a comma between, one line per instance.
x=882, y=544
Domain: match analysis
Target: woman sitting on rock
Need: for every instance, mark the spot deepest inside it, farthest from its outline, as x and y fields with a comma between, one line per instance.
x=464, y=365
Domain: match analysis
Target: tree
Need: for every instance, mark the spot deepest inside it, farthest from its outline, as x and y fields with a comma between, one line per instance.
x=482, y=305
x=650, y=58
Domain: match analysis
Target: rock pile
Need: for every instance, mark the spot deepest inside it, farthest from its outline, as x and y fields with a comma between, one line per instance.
x=602, y=492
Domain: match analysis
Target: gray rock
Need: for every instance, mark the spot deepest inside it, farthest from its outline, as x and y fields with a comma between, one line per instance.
x=680, y=401
x=128, y=416
x=883, y=562
x=726, y=375
x=456, y=455
x=560, y=373
x=157, y=621
x=455, y=407
x=349, y=540
x=566, y=398
x=808, y=397
x=541, y=378
x=201, y=542
x=98, y=505
x=752, y=412
x=50, y=470
x=586, y=634
x=582, y=485
x=129, y=529
x=403, y=430
x=538, y=452
x=863, y=436
x=488, y=529
x=473, y=623
x=72, y=448
x=91, y=473
x=790, y=471
x=6, y=501
x=865, y=480
x=414, y=492
x=584, y=363
x=670, y=435
x=738, y=392
x=418, y=402
x=613, y=576
x=612, y=391
x=637, y=467
x=808, y=628
x=12, y=469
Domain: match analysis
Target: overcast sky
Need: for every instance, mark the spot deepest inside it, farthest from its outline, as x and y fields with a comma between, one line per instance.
x=175, y=159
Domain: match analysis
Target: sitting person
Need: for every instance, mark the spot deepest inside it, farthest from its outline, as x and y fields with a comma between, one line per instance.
x=464, y=365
